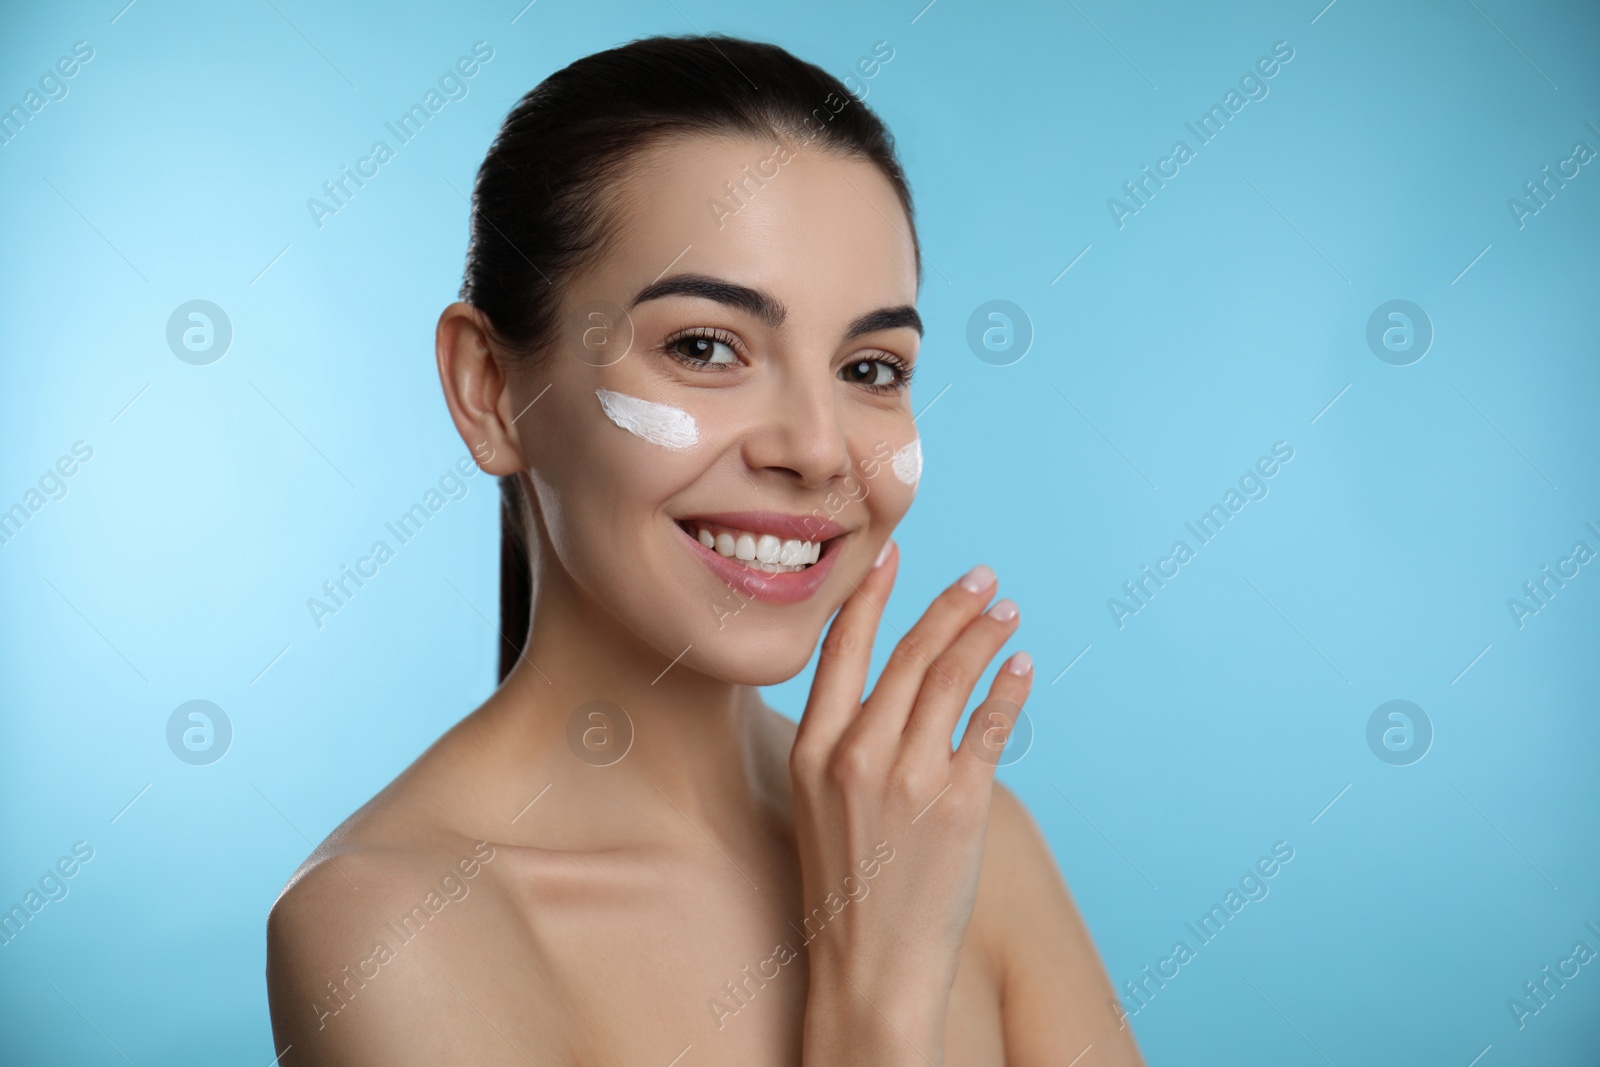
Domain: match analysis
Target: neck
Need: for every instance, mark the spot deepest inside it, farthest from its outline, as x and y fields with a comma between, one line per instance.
x=702, y=743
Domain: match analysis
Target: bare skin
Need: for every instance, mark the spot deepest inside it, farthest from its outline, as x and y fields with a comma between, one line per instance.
x=733, y=890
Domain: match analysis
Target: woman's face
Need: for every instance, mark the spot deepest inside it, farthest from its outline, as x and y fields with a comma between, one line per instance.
x=763, y=294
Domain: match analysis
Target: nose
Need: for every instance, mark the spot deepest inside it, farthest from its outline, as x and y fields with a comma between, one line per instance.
x=798, y=431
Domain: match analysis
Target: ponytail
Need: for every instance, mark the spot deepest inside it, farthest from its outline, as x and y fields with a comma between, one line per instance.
x=516, y=583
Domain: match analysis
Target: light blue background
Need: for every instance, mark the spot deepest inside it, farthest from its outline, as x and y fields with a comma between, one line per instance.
x=1223, y=317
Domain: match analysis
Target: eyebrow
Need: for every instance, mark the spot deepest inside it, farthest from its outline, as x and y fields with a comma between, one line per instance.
x=886, y=319
x=765, y=306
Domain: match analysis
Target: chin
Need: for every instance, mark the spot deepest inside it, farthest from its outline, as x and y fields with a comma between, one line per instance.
x=750, y=655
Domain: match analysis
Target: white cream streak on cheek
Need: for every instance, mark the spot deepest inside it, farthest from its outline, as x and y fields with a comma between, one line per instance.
x=660, y=424
x=907, y=462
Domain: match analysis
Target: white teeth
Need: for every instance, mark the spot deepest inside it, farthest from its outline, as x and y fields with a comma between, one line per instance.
x=763, y=552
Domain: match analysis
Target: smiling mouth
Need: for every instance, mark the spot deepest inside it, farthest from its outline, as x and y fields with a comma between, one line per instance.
x=772, y=556
x=763, y=552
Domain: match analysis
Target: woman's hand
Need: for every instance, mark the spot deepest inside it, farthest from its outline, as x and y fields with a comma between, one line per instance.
x=889, y=822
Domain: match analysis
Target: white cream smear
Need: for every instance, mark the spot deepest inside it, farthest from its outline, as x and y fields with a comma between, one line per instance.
x=907, y=462
x=660, y=424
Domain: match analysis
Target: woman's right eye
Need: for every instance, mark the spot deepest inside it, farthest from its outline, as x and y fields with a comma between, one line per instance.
x=704, y=349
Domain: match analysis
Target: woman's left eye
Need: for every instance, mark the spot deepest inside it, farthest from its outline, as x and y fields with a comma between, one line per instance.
x=877, y=373
x=704, y=349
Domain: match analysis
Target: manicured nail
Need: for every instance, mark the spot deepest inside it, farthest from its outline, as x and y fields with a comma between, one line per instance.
x=1003, y=610
x=1021, y=663
x=977, y=579
x=883, y=554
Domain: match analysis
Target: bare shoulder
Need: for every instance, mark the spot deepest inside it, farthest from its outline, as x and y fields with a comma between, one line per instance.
x=371, y=927
x=1021, y=893
x=1054, y=988
x=361, y=936
x=1014, y=845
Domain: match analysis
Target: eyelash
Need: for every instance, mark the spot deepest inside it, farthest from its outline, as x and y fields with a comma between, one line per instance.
x=702, y=333
x=901, y=368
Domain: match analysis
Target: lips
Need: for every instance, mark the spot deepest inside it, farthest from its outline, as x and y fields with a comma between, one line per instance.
x=763, y=555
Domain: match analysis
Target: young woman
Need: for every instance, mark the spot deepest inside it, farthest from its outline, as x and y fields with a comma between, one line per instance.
x=685, y=341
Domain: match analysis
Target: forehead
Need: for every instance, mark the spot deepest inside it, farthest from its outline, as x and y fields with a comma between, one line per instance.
x=824, y=233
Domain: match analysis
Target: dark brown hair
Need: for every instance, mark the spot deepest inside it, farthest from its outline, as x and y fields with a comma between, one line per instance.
x=539, y=213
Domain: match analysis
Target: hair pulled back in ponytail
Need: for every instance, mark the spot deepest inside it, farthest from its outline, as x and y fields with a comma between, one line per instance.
x=540, y=211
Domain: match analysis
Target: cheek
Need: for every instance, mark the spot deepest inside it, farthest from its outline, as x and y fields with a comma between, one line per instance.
x=605, y=461
x=662, y=425
x=605, y=439
x=890, y=474
x=906, y=464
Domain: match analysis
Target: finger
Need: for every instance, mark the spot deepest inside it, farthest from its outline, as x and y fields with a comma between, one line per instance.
x=951, y=679
x=846, y=655
x=951, y=611
x=991, y=729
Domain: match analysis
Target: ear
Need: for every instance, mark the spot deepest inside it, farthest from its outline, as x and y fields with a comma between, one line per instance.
x=477, y=390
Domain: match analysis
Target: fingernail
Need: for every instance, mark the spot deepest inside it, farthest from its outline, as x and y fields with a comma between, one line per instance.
x=883, y=554
x=1003, y=610
x=1021, y=663
x=977, y=579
